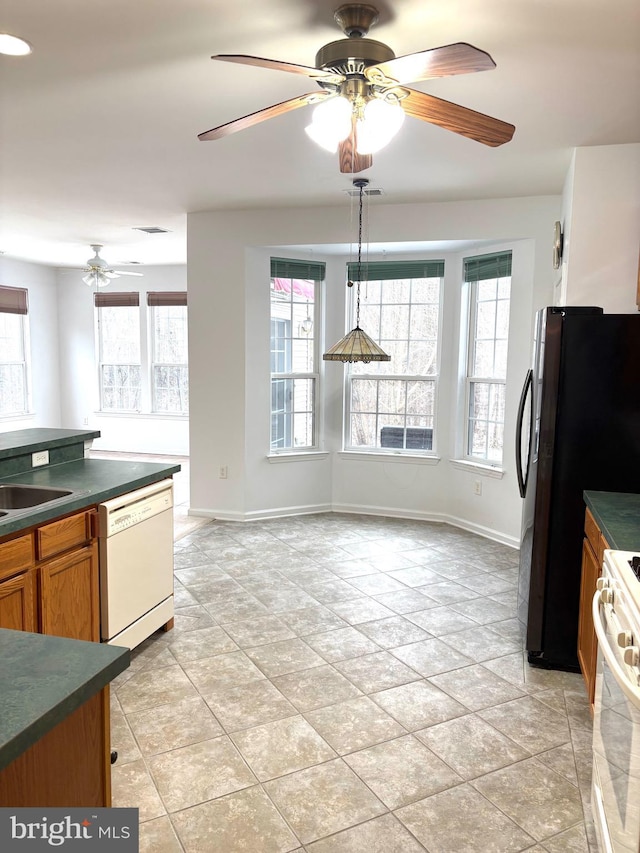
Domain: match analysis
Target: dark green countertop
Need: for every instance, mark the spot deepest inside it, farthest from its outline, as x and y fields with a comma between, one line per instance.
x=43, y=679
x=91, y=481
x=618, y=517
x=22, y=441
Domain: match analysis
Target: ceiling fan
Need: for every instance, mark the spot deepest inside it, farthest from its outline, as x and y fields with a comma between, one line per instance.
x=98, y=272
x=363, y=97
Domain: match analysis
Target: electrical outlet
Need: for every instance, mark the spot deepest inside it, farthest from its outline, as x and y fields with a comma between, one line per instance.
x=223, y=472
x=86, y=422
x=477, y=487
x=40, y=458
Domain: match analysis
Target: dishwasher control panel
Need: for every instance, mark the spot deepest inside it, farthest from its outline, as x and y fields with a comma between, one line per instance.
x=135, y=507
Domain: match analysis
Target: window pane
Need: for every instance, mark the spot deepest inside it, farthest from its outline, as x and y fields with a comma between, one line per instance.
x=13, y=365
x=170, y=334
x=483, y=358
x=11, y=337
x=120, y=335
x=13, y=390
x=171, y=389
x=121, y=387
x=397, y=412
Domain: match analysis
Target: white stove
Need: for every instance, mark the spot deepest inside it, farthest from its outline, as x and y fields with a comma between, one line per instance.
x=616, y=725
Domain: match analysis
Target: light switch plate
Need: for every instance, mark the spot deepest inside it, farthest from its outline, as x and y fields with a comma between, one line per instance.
x=40, y=458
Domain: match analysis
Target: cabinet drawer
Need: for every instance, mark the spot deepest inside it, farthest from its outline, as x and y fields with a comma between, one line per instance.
x=592, y=532
x=61, y=535
x=16, y=555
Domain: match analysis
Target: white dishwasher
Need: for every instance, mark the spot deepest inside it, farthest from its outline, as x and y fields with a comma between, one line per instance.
x=135, y=536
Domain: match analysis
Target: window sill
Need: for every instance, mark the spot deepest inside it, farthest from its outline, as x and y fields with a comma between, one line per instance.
x=478, y=468
x=386, y=456
x=21, y=417
x=142, y=415
x=298, y=456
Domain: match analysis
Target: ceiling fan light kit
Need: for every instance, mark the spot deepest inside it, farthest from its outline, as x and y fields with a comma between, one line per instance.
x=363, y=97
x=98, y=272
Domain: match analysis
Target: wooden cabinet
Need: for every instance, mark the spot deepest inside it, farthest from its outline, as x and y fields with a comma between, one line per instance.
x=593, y=548
x=49, y=579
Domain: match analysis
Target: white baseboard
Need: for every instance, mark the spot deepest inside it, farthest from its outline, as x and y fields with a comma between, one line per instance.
x=285, y=512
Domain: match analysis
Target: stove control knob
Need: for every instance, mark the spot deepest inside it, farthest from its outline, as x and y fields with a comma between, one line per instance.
x=632, y=656
x=625, y=639
x=602, y=583
x=606, y=596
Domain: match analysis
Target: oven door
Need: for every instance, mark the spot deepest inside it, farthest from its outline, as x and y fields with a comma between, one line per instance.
x=616, y=735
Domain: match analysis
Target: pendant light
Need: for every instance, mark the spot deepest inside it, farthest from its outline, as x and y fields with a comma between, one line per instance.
x=357, y=345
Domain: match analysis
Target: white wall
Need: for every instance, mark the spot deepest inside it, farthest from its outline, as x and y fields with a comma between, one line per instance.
x=228, y=269
x=143, y=433
x=40, y=281
x=601, y=214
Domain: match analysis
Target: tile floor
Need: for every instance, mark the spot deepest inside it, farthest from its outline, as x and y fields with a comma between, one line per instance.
x=338, y=684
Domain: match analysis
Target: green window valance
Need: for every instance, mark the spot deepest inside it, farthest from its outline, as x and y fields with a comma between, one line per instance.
x=391, y=270
x=290, y=268
x=483, y=267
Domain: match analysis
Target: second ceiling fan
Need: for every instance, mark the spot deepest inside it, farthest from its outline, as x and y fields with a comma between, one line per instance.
x=363, y=97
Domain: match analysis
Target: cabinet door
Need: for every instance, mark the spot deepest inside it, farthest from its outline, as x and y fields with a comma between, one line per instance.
x=69, y=602
x=587, y=643
x=18, y=603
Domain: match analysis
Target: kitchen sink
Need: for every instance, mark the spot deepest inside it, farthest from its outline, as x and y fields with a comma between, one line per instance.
x=18, y=496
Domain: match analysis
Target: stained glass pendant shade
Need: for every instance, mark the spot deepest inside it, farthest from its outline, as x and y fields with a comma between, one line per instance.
x=357, y=345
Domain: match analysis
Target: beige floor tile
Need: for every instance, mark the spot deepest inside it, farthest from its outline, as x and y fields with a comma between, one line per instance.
x=133, y=787
x=431, y=657
x=150, y=688
x=377, y=584
x=418, y=705
x=248, y=705
x=229, y=670
x=284, y=657
x=381, y=835
x=441, y=620
x=470, y=746
x=530, y=723
x=402, y=771
x=204, y=643
x=312, y=620
x=484, y=610
x=393, y=631
x=538, y=799
x=354, y=724
x=361, y=610
x=341, y=644
x=191, y=618
x=322, y=800
x=481, y=643
x=448, y=592
x=316, y=688
x=200, y=772
x=476, y=687
x=573, y=840
x=281, y=747
x=416, y=575
x=406, y=601
x=243, y=822
x=158, y=836
x=122, y=739
x=174, y=725
x=376, y=672
x=460, y=820
x=259, y=631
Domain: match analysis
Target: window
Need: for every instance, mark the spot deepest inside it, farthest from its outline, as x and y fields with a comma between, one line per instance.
x=169, y=355
x=14, y=392
x=489, y=280
x=294, y=291
x=391, y=405
x=119, y=351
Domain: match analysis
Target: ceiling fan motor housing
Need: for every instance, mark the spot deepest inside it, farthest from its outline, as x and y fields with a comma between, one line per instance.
x=352, y=55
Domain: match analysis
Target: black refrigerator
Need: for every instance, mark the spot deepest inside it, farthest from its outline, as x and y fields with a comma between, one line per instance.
x=578, y=429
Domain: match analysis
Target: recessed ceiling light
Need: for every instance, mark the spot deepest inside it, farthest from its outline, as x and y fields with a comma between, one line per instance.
x=13, y=46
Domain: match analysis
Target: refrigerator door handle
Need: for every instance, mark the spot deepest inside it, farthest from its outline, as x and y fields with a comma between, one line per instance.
x=526, y=390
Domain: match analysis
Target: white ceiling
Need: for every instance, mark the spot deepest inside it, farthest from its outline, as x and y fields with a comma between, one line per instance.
x=99, y=125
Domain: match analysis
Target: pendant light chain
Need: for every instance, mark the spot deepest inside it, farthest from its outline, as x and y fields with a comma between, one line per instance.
x=362, y=186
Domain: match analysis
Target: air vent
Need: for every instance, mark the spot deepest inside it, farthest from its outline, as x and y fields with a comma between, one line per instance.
x=152, y=229
x=371, y=191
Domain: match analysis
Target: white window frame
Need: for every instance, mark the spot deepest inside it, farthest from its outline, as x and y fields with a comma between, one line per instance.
x=289, y=375
x=154, y=364
x=373, y=373
x=22, y=364
x=471, y=378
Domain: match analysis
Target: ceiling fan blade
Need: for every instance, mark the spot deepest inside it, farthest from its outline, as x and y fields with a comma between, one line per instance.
x=125, y=272
x=277, y=65
x=460, y=58
x=262, y=115
x=466, y=122
x=350, y=161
